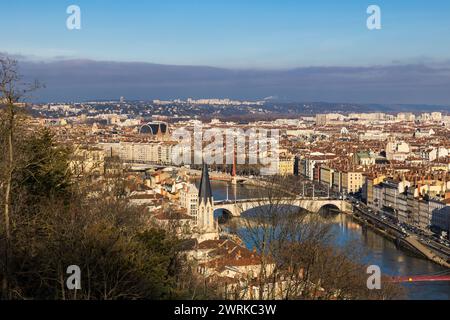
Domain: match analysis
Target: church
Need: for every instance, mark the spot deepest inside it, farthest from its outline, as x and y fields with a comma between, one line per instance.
x=207, y=227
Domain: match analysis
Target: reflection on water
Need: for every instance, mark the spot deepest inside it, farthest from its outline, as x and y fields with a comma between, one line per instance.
x=392, y=261
x=224, y=191
x=377, y=250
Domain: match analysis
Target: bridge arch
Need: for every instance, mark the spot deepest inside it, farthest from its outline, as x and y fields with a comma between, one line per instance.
x=223, y=214
x=328, y=209
x=280, y=208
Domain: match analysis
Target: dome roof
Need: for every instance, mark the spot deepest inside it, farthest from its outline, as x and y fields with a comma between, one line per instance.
x=154, y=128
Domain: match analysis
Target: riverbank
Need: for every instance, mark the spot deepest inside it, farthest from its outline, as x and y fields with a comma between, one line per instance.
x=408, y=243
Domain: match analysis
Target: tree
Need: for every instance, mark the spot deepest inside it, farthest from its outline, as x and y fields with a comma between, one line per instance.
x=12, y=91
x=45, y=173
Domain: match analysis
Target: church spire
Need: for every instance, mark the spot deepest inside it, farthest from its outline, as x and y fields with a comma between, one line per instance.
x=205, y=193
x=207, y=227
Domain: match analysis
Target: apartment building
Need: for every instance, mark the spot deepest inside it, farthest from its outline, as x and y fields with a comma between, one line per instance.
x=390, y=197
x=152, y=152
x=397, y=151
x=367, y=190
x=88, y=160
x=440, y=220
x=309, y=165
x=352, y=181
x=189, y=200
x=327, y=175
x=286, y=166
x=399, y=200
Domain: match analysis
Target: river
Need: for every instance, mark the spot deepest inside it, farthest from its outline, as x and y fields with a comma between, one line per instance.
x=379, y=250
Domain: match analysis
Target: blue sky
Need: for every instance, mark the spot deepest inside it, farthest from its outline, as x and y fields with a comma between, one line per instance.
x=230, y=33
x=315, y=50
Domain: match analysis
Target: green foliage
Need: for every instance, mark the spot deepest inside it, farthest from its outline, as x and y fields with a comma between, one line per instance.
x=161, y=265
x=46, y=172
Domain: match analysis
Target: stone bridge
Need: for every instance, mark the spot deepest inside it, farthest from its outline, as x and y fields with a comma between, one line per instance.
x=236, y=208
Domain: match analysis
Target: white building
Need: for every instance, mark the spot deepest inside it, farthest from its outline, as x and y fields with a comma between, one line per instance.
x=397, y=151
x=406, y=116
x=189, y=200
x=151, y=152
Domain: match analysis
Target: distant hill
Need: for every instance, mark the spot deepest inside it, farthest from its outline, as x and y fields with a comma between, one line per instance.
x=404, y=87
x=309, y=108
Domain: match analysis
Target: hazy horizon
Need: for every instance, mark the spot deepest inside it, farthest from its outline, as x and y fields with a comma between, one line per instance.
x=86, y=79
